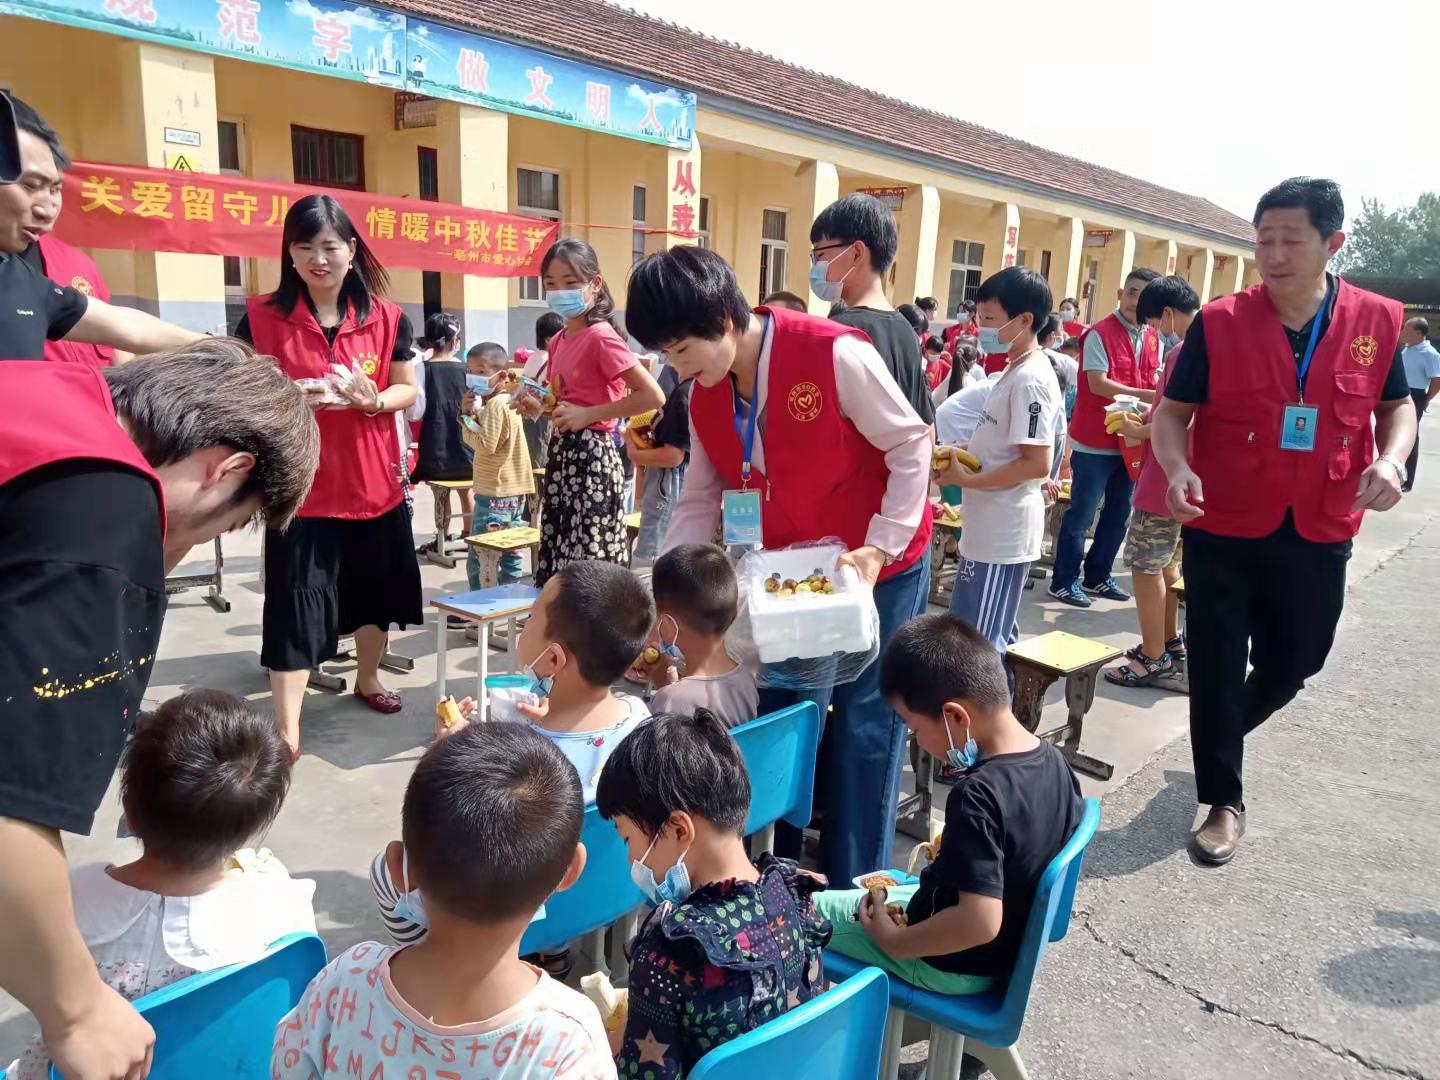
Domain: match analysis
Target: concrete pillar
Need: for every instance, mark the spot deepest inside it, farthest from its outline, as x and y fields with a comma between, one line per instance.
x=682, y=196
x=1002, y=238
x=1117, y=258
x=1068, y=259
x=1201, y=271
x=821, y=180
x=160, y=88
x=919, y=233
x=1235, y=275
x=474, y=171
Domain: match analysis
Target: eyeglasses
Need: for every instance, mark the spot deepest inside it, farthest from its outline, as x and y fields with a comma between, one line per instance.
x=815, y=252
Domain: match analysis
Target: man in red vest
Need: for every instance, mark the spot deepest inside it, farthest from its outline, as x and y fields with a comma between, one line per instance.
x=799, y=433
x=66, y=265
x=107, y=478
x=35, y=310
x=1282, y=381
x=1118, y=355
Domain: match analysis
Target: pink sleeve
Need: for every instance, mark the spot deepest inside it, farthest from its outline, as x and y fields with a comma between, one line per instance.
x=696, y=517
x=610, y=355
x=870, y=399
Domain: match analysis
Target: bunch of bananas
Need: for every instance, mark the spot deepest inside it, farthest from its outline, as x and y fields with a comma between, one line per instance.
x=942, y=456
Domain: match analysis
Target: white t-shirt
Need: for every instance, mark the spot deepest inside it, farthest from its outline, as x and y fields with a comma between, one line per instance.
x=959, y=415
x=142, y=941
x=1006, y=525
x=351, y=1021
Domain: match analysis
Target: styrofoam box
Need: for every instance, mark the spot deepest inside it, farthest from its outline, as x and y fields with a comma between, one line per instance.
x=807, y=627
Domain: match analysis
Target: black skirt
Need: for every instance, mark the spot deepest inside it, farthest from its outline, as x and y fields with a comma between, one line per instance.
x=443, y=453
x=327, y=577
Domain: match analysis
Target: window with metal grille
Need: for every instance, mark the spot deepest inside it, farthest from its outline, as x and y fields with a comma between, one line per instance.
x=773, y=251
x=328, y=158
x=704, y=240
x=966, y=259
x=537, y=194
x=637, y=218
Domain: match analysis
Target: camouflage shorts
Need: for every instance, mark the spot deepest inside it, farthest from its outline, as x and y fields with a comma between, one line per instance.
x=1152, y=544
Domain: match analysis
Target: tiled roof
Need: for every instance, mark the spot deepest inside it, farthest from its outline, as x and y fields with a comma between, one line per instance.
x=671, y=54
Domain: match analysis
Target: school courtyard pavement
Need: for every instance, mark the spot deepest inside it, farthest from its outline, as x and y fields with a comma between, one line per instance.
x=1316, y=953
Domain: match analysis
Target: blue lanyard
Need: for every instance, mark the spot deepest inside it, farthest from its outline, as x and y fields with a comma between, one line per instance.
x=1304, y=368
x=747, y=436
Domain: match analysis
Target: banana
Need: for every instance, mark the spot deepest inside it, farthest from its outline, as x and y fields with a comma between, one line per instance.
x=965, y=458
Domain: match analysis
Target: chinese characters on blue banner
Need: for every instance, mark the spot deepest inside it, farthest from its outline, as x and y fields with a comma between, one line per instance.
x=371, y=45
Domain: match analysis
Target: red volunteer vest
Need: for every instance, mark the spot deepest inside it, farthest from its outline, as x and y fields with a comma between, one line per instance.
x=995, y=361
x=62, y=412
x=1249, y=482
x=359, y=473
x=824, y=478
x=70, y=266
x=1074, y=329
x=1087, y=422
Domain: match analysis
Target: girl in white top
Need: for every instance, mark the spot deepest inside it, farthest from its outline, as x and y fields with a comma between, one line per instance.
x=1004, y=501
x=202, y=776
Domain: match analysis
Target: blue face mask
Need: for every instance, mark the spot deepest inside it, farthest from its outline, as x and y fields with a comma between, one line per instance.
x=827, y=290
x=673, y=890
x=673, y=649
x=967, y=757
x=479, y=383
x=539, y=686
x=567, y=303
x=411, y=905
x=989, y=339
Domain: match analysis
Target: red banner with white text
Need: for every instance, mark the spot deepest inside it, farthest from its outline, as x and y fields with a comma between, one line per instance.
x=143, y=209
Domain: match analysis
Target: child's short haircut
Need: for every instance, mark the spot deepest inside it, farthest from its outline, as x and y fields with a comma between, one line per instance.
x=696, y=584
x=489, y=353
x=864, y=218
x=203, y=776
x=673, y=762
x=1018, y=290
x=1172, y=291
x=546, y=327
x=602, y=614
x=939, y=658
x=491, y=818
x=784, y=298
x=1071, y=344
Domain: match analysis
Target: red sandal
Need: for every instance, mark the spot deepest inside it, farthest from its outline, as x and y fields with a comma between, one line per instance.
x=386, y=701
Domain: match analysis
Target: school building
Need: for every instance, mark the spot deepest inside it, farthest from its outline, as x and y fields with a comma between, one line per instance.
x=536, y=108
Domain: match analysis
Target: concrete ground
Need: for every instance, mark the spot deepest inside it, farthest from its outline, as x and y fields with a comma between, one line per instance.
x=1315, y=954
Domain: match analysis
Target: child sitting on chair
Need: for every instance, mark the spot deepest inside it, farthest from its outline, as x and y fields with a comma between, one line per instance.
x=732, y=943
x=589, y=622
x=491, y=826
x=1015, y=805
x=502, y=476
x=202, y=776
x=696, y=600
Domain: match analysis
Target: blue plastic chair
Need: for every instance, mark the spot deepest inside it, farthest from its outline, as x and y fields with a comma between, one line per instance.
x=835, y=1036
x=780, y=751
x=221, y=1023
x=603, y=893
x=995, y=1017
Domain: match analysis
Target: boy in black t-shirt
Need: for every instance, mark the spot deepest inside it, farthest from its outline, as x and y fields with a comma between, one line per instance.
x=1011, y=812
x=852, y=244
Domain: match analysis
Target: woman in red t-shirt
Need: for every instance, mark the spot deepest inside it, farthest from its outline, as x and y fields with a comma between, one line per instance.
x=596, y=381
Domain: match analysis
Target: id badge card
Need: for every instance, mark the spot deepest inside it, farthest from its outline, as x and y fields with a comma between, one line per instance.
x=740, y=518
x=1297, y=430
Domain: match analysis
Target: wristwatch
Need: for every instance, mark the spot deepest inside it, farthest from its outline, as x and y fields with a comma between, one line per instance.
x=1398, y=466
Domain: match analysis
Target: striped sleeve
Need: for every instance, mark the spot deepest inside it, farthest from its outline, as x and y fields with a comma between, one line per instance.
x=401, y=930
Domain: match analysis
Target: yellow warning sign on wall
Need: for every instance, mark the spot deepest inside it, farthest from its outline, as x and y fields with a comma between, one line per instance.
x=180, y=160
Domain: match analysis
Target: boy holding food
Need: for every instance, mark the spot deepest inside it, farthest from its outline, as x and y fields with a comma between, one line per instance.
x=1005, y=463
x=1013, y=808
